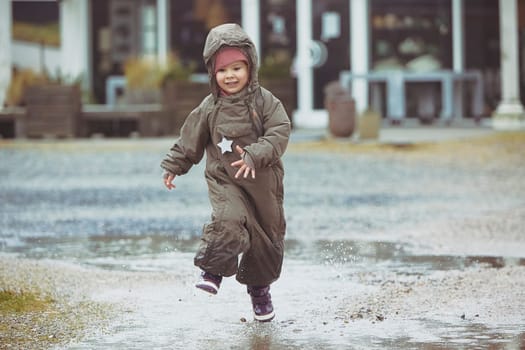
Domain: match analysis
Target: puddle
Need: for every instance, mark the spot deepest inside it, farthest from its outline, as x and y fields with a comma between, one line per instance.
x=322, y=269
x=395, y=256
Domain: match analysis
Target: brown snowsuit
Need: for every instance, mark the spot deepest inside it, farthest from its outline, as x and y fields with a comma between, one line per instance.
x=248, y=215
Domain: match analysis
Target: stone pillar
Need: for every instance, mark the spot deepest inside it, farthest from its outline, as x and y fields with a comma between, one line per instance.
x=458, y=60
x=303, y=67
x=251, y=22
x=74, y=41
x=510, y=113
x=458, y=57
x=5, y=49
x=360, y=55
x=163, y=30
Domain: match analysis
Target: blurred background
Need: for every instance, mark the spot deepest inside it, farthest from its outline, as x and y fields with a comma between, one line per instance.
x=402, y=216
x=134, y=67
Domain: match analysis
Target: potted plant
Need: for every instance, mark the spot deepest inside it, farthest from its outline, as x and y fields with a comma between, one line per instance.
x=52, y=103
x=180, y=94
x=143, y=80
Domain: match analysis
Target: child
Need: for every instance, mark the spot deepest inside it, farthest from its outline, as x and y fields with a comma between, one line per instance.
x=244, y=130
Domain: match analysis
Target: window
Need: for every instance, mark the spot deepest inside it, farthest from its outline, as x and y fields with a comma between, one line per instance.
x=411, y=34
x=149, y=29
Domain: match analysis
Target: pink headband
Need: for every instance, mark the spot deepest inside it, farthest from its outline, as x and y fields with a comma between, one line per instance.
x=228, y=55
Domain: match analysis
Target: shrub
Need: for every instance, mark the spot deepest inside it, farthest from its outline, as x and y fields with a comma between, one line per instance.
x=147, y=73
x=20, y=81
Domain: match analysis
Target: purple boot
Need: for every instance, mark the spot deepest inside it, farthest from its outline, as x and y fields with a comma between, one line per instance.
x=209, y=282
x=262, y=303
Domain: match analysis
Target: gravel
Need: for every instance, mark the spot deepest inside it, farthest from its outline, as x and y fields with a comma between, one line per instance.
x=466, y=200
x=492, y=296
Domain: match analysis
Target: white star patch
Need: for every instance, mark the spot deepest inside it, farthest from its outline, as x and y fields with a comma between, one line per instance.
x=225, y=145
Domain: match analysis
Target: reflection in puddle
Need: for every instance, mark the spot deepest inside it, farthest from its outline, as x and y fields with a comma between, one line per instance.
x=350, y=253
x=393, y=254
x=102, y=246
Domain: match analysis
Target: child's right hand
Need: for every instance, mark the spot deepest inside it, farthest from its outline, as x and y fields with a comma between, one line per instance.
x=168, y=180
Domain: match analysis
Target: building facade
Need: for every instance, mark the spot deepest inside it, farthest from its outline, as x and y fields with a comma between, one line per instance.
x=319, y=39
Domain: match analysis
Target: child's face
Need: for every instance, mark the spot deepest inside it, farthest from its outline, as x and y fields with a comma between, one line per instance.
x=233, y=78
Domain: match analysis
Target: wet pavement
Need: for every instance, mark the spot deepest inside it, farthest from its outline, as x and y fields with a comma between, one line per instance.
x=352, y=220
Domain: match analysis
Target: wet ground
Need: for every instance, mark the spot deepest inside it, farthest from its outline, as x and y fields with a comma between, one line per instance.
x=367, y=235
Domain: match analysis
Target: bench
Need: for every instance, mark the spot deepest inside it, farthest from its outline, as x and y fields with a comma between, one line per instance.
x=122, y=121
x=396, y=80
x=146, y=120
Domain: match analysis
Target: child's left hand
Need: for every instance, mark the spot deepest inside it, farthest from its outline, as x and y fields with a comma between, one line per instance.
x=241, y=164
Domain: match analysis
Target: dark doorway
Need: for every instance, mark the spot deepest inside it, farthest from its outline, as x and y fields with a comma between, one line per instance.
x=331, y=35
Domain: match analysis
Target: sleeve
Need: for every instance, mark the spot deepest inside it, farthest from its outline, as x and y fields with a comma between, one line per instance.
x=189, y=148
x=271, y=146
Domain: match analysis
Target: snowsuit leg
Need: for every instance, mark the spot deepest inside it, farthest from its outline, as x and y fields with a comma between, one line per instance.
x=261, y=264
x=226, y=236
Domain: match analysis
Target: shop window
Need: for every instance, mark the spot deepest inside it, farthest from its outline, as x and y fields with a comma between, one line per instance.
x=278, y=38
x=36, y=22
x=123, y=28
x=416, y=36
x=149, y=29
x=133, y=28
x=411, y=34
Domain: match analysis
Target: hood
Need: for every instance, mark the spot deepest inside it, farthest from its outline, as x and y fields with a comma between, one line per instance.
x=229, y=34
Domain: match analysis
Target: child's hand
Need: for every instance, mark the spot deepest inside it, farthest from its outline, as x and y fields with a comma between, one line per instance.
x=168, y=180
x=243, y=167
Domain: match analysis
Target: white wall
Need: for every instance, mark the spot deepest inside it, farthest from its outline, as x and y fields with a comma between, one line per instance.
x=29, y=55
x=74, y=39
x=5, y=48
